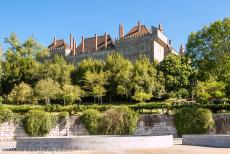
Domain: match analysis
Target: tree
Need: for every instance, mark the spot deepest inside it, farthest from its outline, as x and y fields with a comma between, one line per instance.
x=20, y=64
x=120, y=73
x=94, y=84
x=177, y=73
x=47, y=89
x=209, y=50
x=145, y=80
x=210, y=90
x=85, y=65
x=58, y=70
x=71, y=93
x=20, y=94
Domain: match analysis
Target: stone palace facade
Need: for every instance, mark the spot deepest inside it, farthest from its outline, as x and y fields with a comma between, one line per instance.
x=140, y=40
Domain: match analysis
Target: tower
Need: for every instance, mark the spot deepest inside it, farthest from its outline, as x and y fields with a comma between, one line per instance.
x=181, y=50
x=121, y=31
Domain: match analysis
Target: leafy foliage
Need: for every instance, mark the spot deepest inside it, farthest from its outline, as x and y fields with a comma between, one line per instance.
x=193, y=121
x=208, y=50
x=71, y=93
x=119, y=121
x=91, y=119
x=37, y=123
x=47, y=89
x=5, y=115
x=114, y=121
x=206, y=91
x=20, y=94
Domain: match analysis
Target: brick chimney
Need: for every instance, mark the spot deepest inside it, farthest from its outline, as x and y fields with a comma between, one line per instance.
x=75, y=46
x=55, y=41
x=82, y=44
x=70, y=43
x=170, y=42
x=139, y=26
x=95, y=42
x=106, y=40
x=160, y=28
x=121, y=31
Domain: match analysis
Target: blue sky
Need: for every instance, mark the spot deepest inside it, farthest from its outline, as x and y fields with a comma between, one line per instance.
x=47, y=18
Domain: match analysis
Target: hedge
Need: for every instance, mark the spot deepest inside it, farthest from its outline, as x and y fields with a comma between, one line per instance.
x=73, y=109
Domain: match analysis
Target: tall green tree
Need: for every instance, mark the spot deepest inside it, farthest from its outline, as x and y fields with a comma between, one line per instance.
x=145, y=78
x=85, y=65
x=120, y=75
x=177, y=73
x=20, y=64
x=209, y=50
x=94, y=84
x=57, y=69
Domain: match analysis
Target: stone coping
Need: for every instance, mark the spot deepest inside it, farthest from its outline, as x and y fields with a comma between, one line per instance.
x=219, y=141
x=93, y=142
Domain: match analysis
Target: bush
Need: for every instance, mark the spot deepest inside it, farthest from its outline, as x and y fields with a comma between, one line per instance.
x=5, y=115
x=115, y=121
x=91, y=119
x=37, y=123
x=63, y=117
x=193, y=121
x=118, y=121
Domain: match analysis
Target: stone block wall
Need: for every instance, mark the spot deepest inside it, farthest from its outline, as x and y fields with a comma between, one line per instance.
x=156, y=125
x=147, y=125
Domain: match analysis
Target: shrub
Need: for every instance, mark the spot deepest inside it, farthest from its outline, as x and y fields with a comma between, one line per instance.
x=193, y=121
x=5, y=114
x=37, y=123
x=63, y=117
x=91, y=119
x=118, y=121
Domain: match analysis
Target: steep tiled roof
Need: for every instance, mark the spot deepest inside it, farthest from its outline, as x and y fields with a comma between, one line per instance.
x=89, y=44
x=59, y=43
x=134, y=31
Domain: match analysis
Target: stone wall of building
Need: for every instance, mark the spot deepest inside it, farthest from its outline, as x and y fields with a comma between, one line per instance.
x=147, y=125
x=100, y=55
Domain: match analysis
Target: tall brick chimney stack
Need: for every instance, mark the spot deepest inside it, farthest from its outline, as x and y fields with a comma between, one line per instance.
x=121, y=31
x=106, y=40
x=160, y=28
x=75, y=46
x=95, y=42
x=70, y=43
x=82, y=44
x=55, y=41
x=139, y=26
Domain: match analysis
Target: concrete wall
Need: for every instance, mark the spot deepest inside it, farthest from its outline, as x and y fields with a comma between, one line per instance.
x=147, y=125
x=219, y=141
x=94, y=142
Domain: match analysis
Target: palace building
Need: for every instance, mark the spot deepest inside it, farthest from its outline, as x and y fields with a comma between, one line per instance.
x=140, y=40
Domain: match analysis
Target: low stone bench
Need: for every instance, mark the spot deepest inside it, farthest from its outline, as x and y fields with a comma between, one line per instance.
x=92, y=142
x=220, y=141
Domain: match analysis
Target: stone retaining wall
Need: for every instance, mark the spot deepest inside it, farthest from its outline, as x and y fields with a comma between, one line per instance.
x=147, y=125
